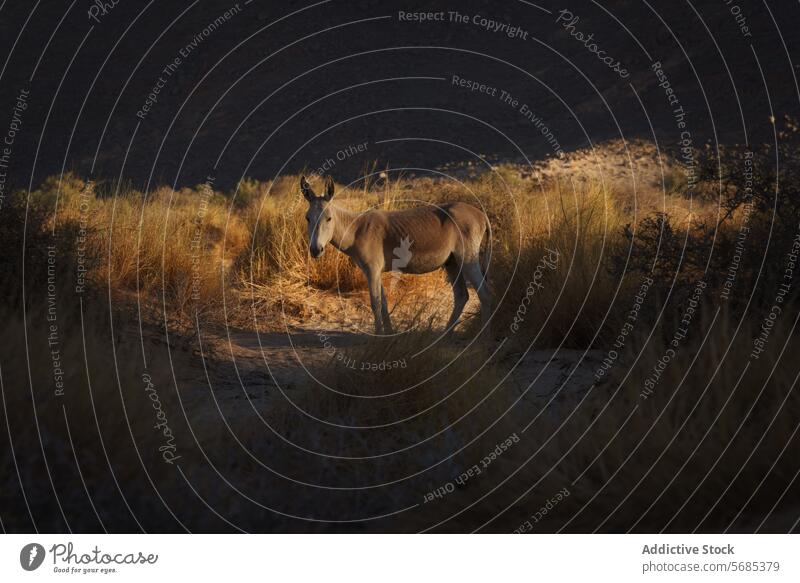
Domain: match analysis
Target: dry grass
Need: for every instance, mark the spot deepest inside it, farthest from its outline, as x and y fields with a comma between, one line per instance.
x=689, y=456
x=193, y=247
x=684, y=457
x=172, y=244
x=366, y=420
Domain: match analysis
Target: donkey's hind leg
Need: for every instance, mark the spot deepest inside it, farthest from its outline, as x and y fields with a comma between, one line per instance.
x=460, y=294
x=473, y=274
x=387, y=322
x=375, y=295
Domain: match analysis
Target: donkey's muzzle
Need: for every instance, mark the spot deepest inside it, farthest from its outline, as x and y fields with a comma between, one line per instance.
x=316, y=251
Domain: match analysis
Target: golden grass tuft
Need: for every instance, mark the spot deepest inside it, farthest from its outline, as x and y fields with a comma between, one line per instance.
x=193, y=247
x=617, y=451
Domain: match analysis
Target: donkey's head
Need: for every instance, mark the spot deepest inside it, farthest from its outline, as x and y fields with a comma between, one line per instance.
x=319, y=216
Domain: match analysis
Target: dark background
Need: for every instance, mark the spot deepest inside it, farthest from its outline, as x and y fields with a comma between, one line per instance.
x=272, y=91
x=264, y=65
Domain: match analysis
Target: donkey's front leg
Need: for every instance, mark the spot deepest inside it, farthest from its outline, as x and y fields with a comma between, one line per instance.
x=375, y=295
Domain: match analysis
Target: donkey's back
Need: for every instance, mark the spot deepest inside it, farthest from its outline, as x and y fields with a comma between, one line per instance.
x=433, y=234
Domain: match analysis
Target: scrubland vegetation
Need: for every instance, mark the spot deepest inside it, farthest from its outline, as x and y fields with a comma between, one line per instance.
x=676, y=432
x=193, y=250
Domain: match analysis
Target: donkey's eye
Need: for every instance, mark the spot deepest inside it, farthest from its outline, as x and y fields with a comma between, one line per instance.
x=328, y=219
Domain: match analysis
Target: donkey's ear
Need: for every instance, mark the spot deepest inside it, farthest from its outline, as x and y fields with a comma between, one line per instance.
x=329, y=188
x=305, y=188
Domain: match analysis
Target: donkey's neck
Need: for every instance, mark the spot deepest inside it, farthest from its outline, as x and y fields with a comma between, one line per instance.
x=343, y=230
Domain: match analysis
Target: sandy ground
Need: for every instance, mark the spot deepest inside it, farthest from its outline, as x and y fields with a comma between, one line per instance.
x=249, y=369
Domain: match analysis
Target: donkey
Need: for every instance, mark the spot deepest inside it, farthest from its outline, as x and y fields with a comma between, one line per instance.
x=448, y=235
